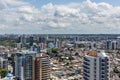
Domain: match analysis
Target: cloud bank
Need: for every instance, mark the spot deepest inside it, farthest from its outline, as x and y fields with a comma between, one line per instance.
x=17, y=16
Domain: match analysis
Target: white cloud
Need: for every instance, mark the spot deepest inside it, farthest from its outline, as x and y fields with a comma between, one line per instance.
x=66, y=11
x=3, y=26
x=84, y=17
x=14, y=2
x=3, y=5
x=49, y=6
x=53, y=24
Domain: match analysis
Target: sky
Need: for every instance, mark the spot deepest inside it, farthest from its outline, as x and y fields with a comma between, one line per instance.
x=60, y=16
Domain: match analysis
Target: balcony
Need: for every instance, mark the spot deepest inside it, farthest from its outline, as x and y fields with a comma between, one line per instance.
x=85, y=59
x=103, y=73
x=85, y=67
x=85, y=63
x=86, y=75
x=102, y=60
x=86, y=71
x=85, y=78
x=102, y=76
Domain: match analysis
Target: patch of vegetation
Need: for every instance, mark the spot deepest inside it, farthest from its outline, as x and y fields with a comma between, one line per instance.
x=115, y=70
x=3, y=72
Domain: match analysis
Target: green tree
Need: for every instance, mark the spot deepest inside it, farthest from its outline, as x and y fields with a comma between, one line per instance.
x=55, y=50
x=76, y=54
x=81, y=45
x=3, y=72
x=115, y=70
x=71, y=58
x=67, y=64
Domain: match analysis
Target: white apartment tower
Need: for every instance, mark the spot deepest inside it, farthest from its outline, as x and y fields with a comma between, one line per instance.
x=96, y=66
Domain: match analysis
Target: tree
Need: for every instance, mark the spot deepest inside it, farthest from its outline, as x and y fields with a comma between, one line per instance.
x=81, y=45
x=55, y=50
x=115, y=70
x=67, y=64
x=3, y=72
x=76, y=54
x=71, y=58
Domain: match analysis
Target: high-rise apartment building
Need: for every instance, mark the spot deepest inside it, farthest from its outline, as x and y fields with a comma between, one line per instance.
x=111, y=44
x=17, y=66
x=96, y=66
x=21, y=39
x=29, y=65
x=108, y=44
x=23, y=65
x=42, y=68
x=31, y=41
x=42, y=42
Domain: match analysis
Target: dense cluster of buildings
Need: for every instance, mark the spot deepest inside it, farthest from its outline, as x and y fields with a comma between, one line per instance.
x=75, y=58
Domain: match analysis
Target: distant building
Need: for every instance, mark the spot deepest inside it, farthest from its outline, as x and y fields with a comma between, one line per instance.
x=50, y=45
x=31, y=41
x=35, y=48
x=4, y=60
x=4, y=55
x=58, y=43
x=111, y=44
x=3, y=63
x=77, y=38
x=19, y=46
x=42, y=42
x=114, y=45
x=96, y=66
x=93, y=45
x=21, y=40
x=108, y=44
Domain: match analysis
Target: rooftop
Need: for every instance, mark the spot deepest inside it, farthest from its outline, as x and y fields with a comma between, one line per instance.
x=92, y=53
x=25, y=52
x=42, y=55
x=97, y=53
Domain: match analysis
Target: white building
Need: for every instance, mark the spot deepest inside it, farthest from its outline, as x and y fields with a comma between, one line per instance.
x=112, y=44
x=96, y=66
x=3, y=63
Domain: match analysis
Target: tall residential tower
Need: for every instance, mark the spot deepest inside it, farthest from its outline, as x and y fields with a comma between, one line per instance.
x=96, y=66
x=42, y=67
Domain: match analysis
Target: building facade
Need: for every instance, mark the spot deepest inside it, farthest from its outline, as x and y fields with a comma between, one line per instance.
x=29, y=65
x=23, y=65
x=96, y=66
x=42, y=68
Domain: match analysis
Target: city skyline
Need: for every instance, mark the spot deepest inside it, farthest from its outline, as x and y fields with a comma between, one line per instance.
x=59, y=17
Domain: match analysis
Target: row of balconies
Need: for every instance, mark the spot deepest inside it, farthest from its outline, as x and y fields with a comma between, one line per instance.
x=85, y=67
x=87, y=71
x=85, y=63
x=85, y=78
x=85, y=59
x=86, y=75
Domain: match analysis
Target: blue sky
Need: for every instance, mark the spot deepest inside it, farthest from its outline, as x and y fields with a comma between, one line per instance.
x=60, y=16
x=39, y=3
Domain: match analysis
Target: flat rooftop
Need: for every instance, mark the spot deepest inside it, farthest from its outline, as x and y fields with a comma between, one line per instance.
x=92, y=53
x=97, y=53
